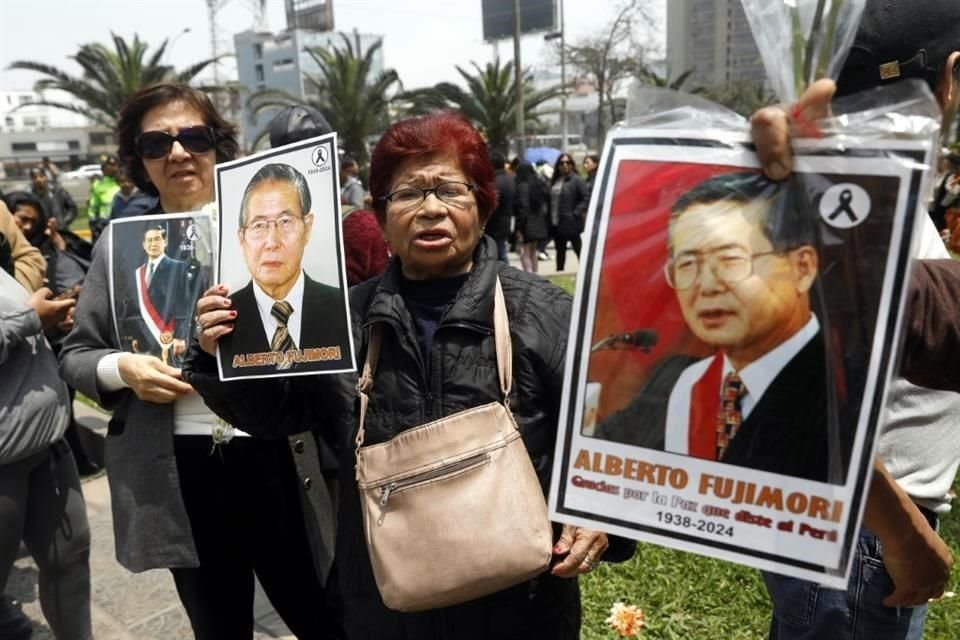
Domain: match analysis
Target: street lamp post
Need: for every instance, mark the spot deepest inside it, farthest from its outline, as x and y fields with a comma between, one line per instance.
x=518, y=80
x=173, y=41
x=563, y=79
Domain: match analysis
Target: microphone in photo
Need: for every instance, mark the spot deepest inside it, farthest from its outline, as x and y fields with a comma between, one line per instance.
x=643, y=339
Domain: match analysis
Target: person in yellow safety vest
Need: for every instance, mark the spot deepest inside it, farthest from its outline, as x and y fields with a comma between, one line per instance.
x=102, y=192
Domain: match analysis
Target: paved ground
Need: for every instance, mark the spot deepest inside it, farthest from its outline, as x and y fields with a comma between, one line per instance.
x=125, y=606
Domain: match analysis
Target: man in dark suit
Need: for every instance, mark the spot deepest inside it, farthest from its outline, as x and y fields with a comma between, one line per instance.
x=165, y=290
x=288, y=322
x=743, y=260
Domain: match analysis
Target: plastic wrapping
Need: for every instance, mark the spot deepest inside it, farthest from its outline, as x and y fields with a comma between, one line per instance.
x=820, y=35
x=666, y=308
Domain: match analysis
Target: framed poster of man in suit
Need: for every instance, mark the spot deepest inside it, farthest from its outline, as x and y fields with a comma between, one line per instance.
x=161, y=265
x=282, y=259
x=731, y=345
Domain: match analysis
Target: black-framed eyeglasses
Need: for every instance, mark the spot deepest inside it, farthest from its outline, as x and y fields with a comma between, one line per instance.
x=153, y=145
x=566, y=162
x=728, y=264
x=453, y=193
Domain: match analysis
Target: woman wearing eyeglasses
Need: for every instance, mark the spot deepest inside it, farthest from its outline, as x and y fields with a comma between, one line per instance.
x=433, y=308
x=569, y=197
x=213, y=515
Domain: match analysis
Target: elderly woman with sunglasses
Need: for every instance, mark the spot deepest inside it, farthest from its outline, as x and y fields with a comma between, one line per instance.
x=434, y=191
x=213, y=517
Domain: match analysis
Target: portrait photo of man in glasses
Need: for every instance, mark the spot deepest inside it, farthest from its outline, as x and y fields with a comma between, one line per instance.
x=287, y=322
x=743, y=263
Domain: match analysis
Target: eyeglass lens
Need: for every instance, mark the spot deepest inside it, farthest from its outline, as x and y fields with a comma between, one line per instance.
x=728, y=266
x=157, y=144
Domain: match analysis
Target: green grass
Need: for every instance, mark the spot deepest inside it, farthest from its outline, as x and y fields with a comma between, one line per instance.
x=567, y=283
x=80, y=223
x=687, y=597
x=82, y=399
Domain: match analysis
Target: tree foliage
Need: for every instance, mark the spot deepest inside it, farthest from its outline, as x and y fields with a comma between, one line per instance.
x=489, y=101
x=356, y=104
x=611, y=57
x=109, y=76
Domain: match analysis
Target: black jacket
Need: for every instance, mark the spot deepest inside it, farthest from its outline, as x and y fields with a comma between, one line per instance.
x=530, y=203
x=572, y=207
x=59, y=204
x=463, y=375
x=498, y=227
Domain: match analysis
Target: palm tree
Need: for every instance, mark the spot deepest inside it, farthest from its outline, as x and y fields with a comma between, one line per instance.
x=652, y=78
x=109, y=77
x=356, y=105
x=489, y=101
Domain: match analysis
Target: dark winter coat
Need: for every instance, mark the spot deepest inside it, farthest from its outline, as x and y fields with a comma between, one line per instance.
x=498, y=226
x=463, y=374
x=572, y=206
x=531, y=203
x=58, y=204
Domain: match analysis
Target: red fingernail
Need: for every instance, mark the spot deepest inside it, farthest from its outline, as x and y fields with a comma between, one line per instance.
x=233, y=314
x=557, y=548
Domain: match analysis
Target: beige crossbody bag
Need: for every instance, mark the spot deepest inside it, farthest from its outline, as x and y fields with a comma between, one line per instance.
x=452, y=509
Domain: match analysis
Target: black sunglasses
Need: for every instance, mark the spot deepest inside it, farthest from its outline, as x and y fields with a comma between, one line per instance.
x=153, y=145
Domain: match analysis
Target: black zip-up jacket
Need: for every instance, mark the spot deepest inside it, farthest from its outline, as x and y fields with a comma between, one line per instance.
x=463, y=375
x=572, y=205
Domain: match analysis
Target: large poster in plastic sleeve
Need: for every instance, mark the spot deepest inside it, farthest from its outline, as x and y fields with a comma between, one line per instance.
x=730, y=347
x=281, y=256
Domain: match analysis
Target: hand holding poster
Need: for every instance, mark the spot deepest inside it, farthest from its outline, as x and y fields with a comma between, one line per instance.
x=731, y=343
x=160, y=264
x=281, y=256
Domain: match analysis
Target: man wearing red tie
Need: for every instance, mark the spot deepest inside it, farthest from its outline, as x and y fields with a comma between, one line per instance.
x=743, y=260
x=164, y=287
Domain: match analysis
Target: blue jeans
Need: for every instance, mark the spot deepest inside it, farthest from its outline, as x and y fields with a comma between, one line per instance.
x=806, y=611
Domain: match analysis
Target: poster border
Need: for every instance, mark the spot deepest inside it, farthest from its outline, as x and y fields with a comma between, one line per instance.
x=914, y=156
x=329, y=139
x=211, y=225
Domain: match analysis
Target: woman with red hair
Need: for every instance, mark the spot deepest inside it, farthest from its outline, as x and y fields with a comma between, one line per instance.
x=433, y=189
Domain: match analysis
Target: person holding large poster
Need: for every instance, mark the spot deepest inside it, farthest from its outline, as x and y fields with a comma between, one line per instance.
x=216, y=506
x=743, y=261
x=904, y=561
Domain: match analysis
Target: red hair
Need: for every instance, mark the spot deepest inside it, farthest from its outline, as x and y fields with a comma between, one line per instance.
x=441, y=132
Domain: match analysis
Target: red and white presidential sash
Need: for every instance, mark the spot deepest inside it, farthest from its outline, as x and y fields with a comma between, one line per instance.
x=161, y=331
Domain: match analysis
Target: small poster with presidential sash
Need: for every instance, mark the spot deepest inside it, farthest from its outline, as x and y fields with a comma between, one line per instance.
x=731, y=345
x=281, y=257
x=160, y=265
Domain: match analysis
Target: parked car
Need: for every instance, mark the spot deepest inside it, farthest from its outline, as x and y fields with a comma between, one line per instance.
x=87, y=171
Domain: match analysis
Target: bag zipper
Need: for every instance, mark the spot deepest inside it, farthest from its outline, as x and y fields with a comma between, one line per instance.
x=433, y=474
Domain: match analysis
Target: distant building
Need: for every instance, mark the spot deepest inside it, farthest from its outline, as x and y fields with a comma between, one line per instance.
x=32, y=131
x=19, y=113
x=713, y=38
x=278, y=61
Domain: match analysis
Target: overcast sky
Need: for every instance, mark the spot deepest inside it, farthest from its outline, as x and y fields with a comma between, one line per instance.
x=423, y=39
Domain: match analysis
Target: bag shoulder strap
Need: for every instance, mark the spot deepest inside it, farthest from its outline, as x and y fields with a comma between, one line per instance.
x=501, y=333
